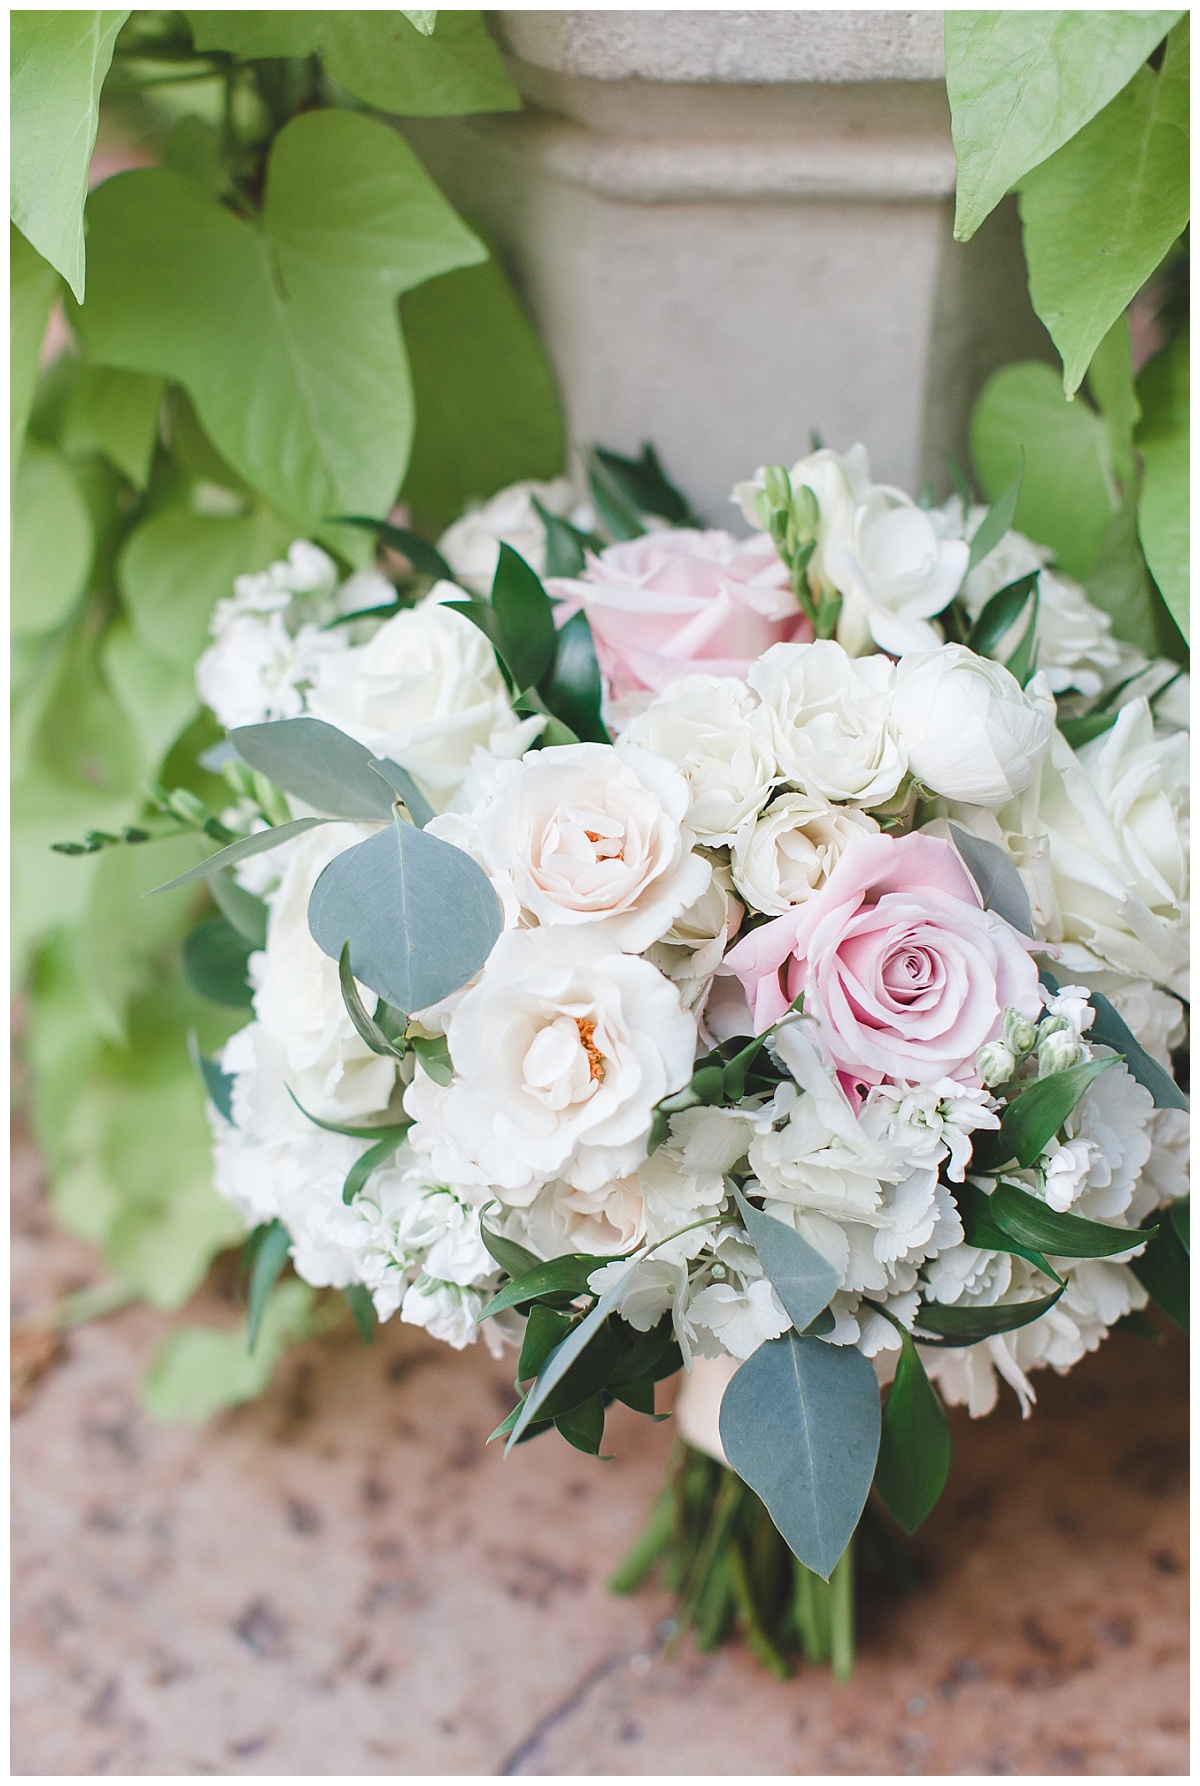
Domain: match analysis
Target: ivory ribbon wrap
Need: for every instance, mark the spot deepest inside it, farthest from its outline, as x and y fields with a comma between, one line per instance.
x=698, y=1404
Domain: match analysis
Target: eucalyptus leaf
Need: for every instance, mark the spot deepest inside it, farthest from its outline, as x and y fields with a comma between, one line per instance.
x=272, y=1246
x=319, y=764
x=803, y=1278
x=284, y=329
x=255, y=845
x=1102, y=211
x=403, y=785
x=914, y=1442
x=953, y=1326
x=1000, y=886
x=800, y=1424
x=996, y=522
x=419, y=915
x=1035, y=1224
x=214, y=959
x=57, y=64
x=1021, y=84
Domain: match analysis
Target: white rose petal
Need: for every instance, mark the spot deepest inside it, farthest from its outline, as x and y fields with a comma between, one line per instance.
x=700, y=724
x=828, y=718
x=783, y=854
x=971, y=732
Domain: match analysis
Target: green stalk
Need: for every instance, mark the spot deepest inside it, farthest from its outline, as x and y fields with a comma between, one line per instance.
x=811, y=1597
x=724, y=1507
x=841, y=1615
x=650, y=1544
x=756, y=1634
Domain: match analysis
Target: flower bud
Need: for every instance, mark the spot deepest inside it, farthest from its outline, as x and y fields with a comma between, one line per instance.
x=1019, y=1033
x=995, y=1063
x=184, y=804
x=1057, y=1051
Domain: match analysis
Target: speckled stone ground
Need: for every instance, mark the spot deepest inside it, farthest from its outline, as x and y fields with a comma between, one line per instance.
x=340, y=1580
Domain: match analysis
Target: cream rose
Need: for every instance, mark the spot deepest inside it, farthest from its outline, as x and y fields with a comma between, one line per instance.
x=970, y=731
x=560, y=1051
x=701, y=723
x=828, y=717
x=784, y=854
x=471, y=546
x=425, y=691
x=588, y=834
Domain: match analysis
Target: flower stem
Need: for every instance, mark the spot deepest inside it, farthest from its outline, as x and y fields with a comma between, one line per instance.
x=841, y=1615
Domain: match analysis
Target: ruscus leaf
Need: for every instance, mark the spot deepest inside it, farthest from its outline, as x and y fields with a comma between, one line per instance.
x=273, y=1243
x=914, y=1443
x=1035, y=1224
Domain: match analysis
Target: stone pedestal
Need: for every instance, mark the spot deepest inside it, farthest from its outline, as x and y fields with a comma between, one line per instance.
x=734, y=228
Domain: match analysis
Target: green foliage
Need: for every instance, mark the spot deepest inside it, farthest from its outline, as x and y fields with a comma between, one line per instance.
x=1163, y=442
x=1033, y=1223
x=914, y=1442
x=1035, y=1114
x=803, y=1278
x=800, y=1425
x=486, y=406
x=115, y=413
x=33, y=287
x=317, y=763
x=1102, y=212
x=527, y=635
x=52, y=541
x=267, y=1252
x=991, y=868
x=954, y=1326
x=385, y=58
x=283, y=332
x=200, y=1370
x=214, y=960
x=58, y=64
x=1021, y=84
x=1163, y=1270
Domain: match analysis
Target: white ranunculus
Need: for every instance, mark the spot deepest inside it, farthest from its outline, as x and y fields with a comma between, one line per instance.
x=471, y=545
x=1116, y=817
x=894, y=570
x=782, y=855
x=588, y=835
x=560, y=1050
x=970, y=730
x=701, y=724
x=298, y=1000
x=1075, y=644
x=425, y=691
x=829, y=720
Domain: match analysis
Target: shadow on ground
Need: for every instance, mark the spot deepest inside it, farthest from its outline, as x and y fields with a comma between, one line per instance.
x=341, y=1580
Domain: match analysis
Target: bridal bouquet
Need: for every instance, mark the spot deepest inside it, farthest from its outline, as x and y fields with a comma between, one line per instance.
x=758, y=956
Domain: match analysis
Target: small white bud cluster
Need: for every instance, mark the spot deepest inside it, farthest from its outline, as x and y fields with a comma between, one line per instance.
x=1058, y=1046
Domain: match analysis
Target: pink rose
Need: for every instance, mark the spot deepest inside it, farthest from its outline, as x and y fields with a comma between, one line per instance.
x=679, y=599
x=903, y=971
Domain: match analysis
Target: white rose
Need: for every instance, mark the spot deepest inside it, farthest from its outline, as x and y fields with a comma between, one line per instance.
x=691, y=951
x=895, y=571
x=787, y=852
x=425, y=691
x=298, y=999
x=971, y=732
x=828, y=718
x=700, y=724
x=588, y=834
x=471, y=546
x=561, y=1050
x=1116, y=817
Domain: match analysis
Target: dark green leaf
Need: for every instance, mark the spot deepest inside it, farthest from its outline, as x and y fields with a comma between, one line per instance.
x=402, y=783
x=317, y=763
x=245, y=911
x=1138, y=1322
x=218, y=1084
x=566, y=546
x=1181, y=1221
x=591, y=1335
x=484, y=616
x=433, y=1052
x=1087, y=726
x=214, y=960
x=363, y=1310
x=1110, y=1028
x=583, y=1427
x=565, y=1276
x=914, y=1443
x=420, y=915
x=1000, y=613
x=573, y=691
x=1001, y=888
x=645, y=487
x=509, y=1255
x=1035, y=1224
x=1037, y=1113
x=1163, y=1270
x=800, y=1425
x=369, y=1162
x=653, y=1355
x=255, y=845
x=425, y=559
x=967, y=1326
x=543, y=1331
x=996, y=522
x=617, y=515
x=980, y=1229
x=376, y=1038
x=803, y=1278
x=270, y=1257
x=638, y=1394
x=527, y=635
x=367, y=1132
x=1023, y=661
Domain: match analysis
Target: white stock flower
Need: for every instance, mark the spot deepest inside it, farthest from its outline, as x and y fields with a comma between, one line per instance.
x=829, y=719
x=1116, y=816
x=446, y=1311
x=298, y=1000
x=970, y=731
x=737, y=1316
x=701, y=725
x=784, y=853
x=268, y=639
x=471, y=545
x=588, y=835
x=1093, y=1171
x=425, y=691
x=560, y=1050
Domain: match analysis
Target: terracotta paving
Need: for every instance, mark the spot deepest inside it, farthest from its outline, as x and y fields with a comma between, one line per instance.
x=340, y=1580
